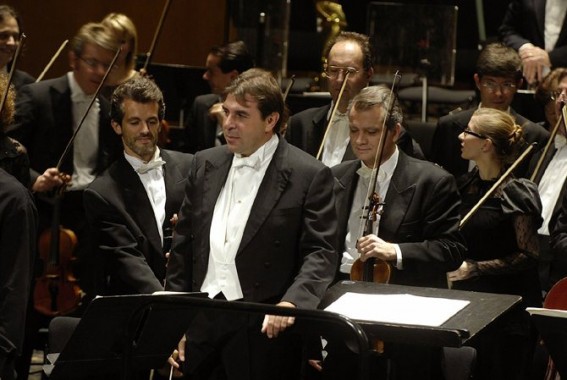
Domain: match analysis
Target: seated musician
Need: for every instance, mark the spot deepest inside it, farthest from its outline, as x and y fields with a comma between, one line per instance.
x=203, y=125
x=418, y=229
x=129, y=206
x=351, y=52
x=498, y=77
x=502, y=241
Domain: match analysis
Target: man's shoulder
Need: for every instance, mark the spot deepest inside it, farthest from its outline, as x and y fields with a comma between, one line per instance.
x=206, y=99
x=426, y=170
x=310, y=113
x=458, y=117
x=343, y=167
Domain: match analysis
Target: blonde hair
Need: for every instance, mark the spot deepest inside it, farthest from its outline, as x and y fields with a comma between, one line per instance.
x=124, y=31
x=96, y=34
x=501, y=128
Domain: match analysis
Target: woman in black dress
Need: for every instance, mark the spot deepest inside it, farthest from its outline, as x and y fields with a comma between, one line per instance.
x=502, y=241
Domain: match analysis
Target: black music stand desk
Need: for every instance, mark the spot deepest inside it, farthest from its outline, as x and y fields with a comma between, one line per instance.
x=552, y=327
x=483, y=309
x=125, y=334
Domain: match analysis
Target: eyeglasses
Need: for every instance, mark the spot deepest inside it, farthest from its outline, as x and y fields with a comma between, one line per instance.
x=557, y=93
x=334, y=71
x=505, y=87
x=93, y=63
x=472, y=133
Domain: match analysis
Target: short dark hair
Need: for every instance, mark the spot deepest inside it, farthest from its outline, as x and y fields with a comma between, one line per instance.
x=263, y=87
x=499, y=60
x=361, y=40
x=233, y=56
x=139, y=89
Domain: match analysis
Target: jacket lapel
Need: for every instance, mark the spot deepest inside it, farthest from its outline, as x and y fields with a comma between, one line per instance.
x=137, y=202
x=398, y=198
x=345, y=186
x=274, y=183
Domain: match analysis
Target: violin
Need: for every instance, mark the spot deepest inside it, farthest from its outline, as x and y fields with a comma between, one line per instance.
x=56, y=291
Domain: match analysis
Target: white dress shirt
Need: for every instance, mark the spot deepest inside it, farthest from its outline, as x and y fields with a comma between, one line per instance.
x=356, y=223
x=337, y=139
x=230, y=217
x=85, y=145
x=154, y=183
x=551, y=183
x=554, y=17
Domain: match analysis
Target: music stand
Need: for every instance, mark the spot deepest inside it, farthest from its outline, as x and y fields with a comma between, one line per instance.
x=120, y=333
x=552, y=327
x=131, y=333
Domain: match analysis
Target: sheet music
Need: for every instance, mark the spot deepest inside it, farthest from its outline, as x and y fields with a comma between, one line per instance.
x=547, y=312
x=397, y=308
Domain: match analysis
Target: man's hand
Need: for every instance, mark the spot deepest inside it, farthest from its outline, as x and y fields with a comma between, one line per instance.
x=467, y=270
x=177, y=357
x=50, y=179
x=372, y=246
x=274, y=324
x=534, y=59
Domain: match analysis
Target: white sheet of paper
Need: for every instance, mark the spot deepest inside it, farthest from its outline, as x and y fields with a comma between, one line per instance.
x=547, y=312
x=397, y=308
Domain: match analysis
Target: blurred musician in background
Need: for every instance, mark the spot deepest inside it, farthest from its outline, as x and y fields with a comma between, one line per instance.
x=10, y=32
x=537, y=29
x=48, y=112
x=125, y=34
x=349, y=52
x=203, y=125
x=498, y=76
x=136, y=197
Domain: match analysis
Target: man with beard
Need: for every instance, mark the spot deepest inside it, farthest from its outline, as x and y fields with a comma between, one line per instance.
x=130, y=206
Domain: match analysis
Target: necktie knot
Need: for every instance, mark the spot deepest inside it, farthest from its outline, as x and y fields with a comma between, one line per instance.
x=251, y=162
x=144, y=168
x=366, y=173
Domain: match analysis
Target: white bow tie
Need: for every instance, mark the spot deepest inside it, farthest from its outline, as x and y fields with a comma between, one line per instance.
x=366, y=173
x=144, y=168
x=252, y=162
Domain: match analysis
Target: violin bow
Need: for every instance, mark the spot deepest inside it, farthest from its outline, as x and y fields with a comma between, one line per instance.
x=100, y=85
x=12, y=71
x=52, y=60
x=150, y=53
x=335, y=106
x=550, y=141
x=371, y=191
x=496, y=184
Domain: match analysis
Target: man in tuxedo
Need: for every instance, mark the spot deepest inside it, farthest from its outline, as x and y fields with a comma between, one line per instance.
x=537, y=30
x=48, y=113
x=129, y=206
x=350, y=52
x=552, y=172
x=498, y=76
x=417, y=231
x=203, y=124
x=257, y=224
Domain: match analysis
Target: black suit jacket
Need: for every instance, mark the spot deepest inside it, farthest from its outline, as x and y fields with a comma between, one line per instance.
x=446, y=147
x=524, y=22
x=44, y=125
x=421, y=214
x=307, y=129
x=20, y=79
x=123, y=224
x=288, y=248
x=200, y=128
